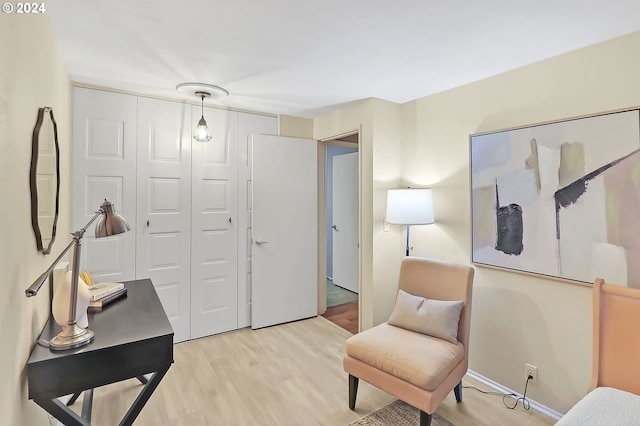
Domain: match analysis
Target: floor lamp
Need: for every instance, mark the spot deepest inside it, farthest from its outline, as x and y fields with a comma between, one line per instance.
x=110, y=223
x=409, y=207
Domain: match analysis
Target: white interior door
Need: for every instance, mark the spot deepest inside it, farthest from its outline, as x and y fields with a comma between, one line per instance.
x=285, y=230
x=163, y=223
x=104, y=166
x=214, y=238
x=345, y=221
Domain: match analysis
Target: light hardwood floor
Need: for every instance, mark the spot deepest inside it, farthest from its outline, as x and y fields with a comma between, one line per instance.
x=285, y=375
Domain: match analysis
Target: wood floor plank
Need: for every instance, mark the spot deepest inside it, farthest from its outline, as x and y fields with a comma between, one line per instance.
x=345, y=315
x=284, y=375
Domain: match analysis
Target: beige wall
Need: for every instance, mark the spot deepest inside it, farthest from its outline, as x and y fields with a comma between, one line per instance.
x=517, y=319
x=32, y=75
x=295, y=127
x=379, y=125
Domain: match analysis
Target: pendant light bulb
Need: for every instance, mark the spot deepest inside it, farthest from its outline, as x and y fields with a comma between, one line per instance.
x=202, y=133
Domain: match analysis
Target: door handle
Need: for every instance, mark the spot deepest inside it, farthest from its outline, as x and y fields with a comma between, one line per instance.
x=260, y=242
x=335, y=228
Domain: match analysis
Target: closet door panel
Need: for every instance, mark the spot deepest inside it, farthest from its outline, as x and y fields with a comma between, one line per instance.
x=163, y=221
x=214, y=284
x=248, y=125
x=104, y=167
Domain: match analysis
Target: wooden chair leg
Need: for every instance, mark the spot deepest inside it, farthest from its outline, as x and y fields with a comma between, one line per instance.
x=425, y=419
x=353, y=390
x=458, y=391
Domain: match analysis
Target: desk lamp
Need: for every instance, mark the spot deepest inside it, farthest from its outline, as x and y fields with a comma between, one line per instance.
x=110, y=223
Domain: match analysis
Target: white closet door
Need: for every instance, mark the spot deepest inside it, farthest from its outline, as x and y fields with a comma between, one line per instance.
x=214, y=284
x=248, y=125
x=163, y=222
x=104, y=166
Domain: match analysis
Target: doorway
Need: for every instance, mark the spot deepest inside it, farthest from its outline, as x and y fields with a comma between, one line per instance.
x=342, y=196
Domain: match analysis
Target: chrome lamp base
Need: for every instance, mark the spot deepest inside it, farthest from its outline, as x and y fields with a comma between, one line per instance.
x=71, y=337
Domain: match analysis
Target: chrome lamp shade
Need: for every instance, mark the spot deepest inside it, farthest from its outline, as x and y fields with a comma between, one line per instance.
x=110, y=222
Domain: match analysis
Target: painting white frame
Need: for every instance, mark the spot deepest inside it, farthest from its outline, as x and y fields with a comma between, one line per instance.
x=560, y=199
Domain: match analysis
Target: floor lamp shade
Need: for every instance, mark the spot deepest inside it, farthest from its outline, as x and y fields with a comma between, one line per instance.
x=409, y=207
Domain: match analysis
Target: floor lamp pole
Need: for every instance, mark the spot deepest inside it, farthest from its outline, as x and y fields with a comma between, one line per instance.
x=408, y=240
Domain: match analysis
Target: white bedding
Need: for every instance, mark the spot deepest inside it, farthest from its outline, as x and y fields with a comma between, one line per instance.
x=604, y=407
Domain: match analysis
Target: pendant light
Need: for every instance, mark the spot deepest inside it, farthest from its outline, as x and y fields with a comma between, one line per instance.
x=202, y=90
x=202, y=133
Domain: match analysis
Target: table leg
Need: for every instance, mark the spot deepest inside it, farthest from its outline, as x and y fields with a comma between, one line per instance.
x=87, y=404
x=61, y=412
x=73, y=399
x=144, y=396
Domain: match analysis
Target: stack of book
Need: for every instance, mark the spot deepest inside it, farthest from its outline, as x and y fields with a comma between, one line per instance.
x=102, y=293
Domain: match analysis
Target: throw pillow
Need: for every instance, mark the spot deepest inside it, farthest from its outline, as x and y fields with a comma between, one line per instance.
x=437, y=318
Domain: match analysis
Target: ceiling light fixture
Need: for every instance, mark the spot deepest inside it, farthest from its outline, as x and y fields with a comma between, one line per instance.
x=202, y=133
x=202, y=90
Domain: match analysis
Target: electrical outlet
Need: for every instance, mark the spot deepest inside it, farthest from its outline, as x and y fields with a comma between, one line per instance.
x=531, y=370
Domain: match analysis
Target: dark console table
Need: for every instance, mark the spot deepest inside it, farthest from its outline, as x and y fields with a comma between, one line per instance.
x=133, y=338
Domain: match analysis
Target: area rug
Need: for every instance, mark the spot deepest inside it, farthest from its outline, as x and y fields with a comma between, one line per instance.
x=398, y=413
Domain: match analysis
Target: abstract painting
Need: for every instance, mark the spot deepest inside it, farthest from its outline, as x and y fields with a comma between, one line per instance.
x=560, y=199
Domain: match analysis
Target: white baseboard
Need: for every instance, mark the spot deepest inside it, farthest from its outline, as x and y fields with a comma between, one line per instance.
x=502, y=389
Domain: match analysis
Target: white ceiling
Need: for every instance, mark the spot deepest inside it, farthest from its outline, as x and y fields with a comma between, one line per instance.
x=308, y=57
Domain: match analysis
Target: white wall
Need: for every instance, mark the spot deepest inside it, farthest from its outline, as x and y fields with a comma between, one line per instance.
x=32, y=75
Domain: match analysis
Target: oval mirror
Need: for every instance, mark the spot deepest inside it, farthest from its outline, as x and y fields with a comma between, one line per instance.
x=44, y=180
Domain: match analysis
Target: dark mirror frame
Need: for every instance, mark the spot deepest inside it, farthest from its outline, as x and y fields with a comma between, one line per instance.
x=33, y=183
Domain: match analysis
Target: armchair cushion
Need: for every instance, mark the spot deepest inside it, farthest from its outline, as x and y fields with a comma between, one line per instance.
x=437, y=318
x=419, y=359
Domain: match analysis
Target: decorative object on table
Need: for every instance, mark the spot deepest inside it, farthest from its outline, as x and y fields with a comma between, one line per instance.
x=109, y=223
x=560, y=199
x=409, y=207
x=44, y=182
x=87, y=278
x=104, y=289
x=398, y=413
x=61, y=300
x=98, y=305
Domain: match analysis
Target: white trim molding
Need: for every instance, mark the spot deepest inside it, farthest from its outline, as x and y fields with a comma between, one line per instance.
x=499, y=388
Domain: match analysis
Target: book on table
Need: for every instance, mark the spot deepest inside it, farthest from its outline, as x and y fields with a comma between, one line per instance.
x=97, y=305
x=101, y=290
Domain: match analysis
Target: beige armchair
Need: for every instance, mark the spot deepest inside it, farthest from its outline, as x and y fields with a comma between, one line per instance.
x=421, y=354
